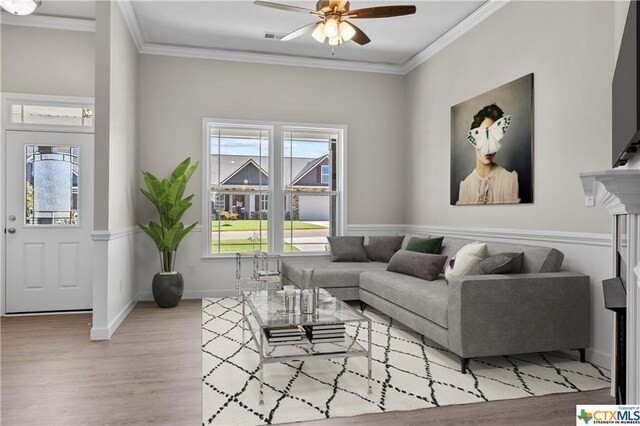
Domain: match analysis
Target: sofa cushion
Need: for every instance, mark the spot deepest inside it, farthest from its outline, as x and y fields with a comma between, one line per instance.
x=422, y=265
x=425, y=245
x=466, y=259
x=502, y=263
x=428, y=299
x=408, y=238
x=536, y=259
x=347, y=249
x=382, y=249
x=328, y=274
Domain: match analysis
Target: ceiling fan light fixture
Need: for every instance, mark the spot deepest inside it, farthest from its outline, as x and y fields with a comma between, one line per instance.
x=335, y=41
x=20, y=7
x=331, y=28
x=346, y=31
x=318, y=33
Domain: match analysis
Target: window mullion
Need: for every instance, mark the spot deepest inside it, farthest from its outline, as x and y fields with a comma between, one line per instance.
x=276, y=195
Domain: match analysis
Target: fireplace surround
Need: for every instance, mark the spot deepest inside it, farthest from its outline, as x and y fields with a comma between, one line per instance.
x=618, y=191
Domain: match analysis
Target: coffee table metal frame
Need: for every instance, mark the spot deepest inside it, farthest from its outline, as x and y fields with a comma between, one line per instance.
x=265, y=270
x=307, y=350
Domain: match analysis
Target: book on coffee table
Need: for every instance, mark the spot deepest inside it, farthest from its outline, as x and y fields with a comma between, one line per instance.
x=326, y=333
x=285, y=335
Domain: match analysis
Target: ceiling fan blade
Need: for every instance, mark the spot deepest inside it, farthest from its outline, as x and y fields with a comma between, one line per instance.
x=360, y=37
x=286, y=7
x=300, y=31
x=381, y=12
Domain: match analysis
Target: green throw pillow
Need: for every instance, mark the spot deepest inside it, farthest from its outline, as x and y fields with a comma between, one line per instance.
x=425, y=245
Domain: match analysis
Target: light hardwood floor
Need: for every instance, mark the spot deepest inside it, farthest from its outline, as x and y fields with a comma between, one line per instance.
x=150, y=372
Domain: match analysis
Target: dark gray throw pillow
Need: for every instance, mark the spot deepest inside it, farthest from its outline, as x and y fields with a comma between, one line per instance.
x=501, y=263
x=347, y=249
x=422, y=265
x=382, y=249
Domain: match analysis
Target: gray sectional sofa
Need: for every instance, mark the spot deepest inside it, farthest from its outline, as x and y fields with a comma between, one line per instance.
x=540, y=309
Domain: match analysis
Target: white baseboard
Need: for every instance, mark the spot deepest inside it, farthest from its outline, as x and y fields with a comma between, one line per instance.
x=597, y=357
x=103, y=333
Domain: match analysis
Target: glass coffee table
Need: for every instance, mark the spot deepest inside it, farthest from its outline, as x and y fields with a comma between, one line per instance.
x=267, y=311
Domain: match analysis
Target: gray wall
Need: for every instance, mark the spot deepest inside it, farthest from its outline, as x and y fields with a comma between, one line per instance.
x=175, y=93
x=116, y=122
x=47, y=62
x=114, y=281
x=572, y=62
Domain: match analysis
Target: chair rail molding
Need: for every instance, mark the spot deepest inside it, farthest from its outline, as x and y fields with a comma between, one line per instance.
x=619, y=192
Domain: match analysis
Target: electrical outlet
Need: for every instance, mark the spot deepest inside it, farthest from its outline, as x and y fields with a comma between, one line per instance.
x=191, y=269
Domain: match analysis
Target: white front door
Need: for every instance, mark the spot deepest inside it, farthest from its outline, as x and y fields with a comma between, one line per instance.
x=49, y=219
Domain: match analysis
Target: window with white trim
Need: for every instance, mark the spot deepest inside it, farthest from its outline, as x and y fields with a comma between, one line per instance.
x=324, y=174
x=51, y=115
x=272, y=187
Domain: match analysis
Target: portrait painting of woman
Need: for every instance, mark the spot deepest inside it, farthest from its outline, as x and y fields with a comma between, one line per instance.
x=491, y=155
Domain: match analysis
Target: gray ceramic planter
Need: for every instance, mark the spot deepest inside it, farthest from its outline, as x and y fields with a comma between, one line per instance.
x=167, y=289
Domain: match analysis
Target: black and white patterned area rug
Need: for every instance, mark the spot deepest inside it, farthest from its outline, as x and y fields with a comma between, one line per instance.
x=409, y=372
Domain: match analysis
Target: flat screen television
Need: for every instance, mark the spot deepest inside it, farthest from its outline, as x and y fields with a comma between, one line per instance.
x=626, y=91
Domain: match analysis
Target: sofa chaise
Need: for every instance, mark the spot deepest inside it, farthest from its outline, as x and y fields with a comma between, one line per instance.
x=541, y=309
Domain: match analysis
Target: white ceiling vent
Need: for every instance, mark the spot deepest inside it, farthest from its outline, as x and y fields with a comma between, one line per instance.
x=274, y=36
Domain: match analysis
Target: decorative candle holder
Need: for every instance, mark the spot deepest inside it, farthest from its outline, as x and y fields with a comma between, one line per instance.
x=309, y=295
x=308, y=301
x=290, y=301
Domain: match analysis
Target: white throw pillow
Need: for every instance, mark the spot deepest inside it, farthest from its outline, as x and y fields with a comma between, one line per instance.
x=465, y=259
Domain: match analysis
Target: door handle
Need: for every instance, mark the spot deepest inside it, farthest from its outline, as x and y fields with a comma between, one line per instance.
x=11, y=230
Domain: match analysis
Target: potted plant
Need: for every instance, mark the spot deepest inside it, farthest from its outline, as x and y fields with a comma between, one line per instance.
x=167, y=196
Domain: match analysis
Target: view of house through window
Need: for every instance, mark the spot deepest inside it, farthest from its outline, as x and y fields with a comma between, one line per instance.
x=239, y=179
x=310, y=192
x=241, y=208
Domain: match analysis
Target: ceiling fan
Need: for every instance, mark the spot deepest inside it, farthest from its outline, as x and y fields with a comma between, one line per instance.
x=333, y=24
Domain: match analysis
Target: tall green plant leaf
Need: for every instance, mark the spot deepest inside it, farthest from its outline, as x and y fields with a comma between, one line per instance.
x=179, y=171
x=157, y=238
x=176, y=190
x=185, y=232
x=176, y=212
x=192, y=169
x=167, y=195
x=172, y=238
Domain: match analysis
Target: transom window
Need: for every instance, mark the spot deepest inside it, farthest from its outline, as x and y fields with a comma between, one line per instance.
x=51, y=115
x=271, y=187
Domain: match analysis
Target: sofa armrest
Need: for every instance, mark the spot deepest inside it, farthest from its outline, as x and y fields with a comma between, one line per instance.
x=508, y=314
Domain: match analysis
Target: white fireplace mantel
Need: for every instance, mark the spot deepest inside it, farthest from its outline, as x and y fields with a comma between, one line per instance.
x=619, y=192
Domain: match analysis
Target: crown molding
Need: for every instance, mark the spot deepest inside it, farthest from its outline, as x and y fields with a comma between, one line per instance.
x=477, y=16
x=266, y=58
x=51, y=22
x=131, y=20
x=480, y=14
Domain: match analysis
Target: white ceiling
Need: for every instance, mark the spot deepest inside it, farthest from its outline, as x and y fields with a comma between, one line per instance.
x=234, y=31
x=239, y=26
x=79, y=9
